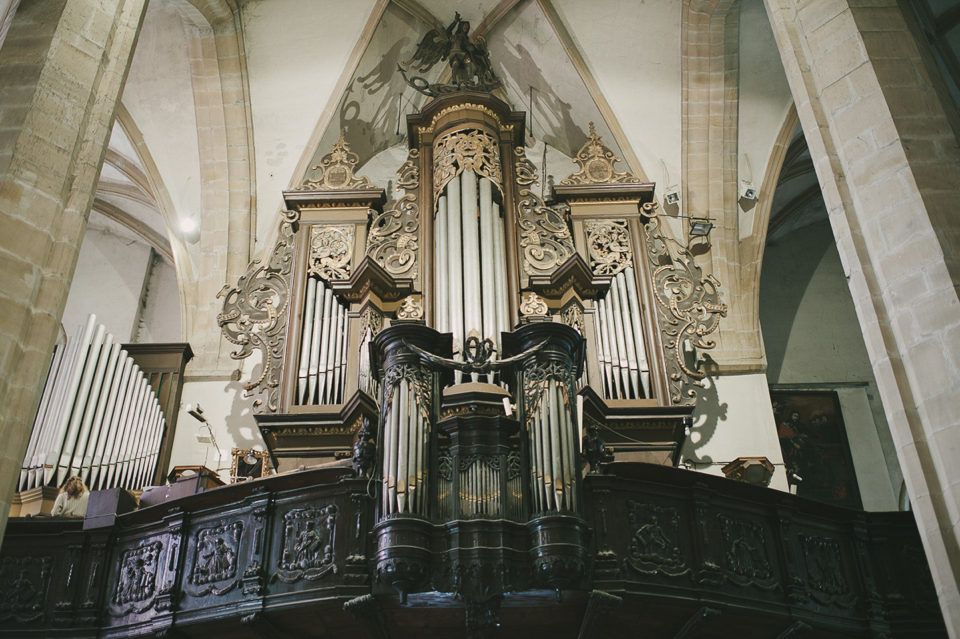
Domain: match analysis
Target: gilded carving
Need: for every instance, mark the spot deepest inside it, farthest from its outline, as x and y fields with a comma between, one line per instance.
x=596, y=165
x=461, y=151
x=216, y=558
x=372, y=319
x=254, y=316
x=655, y=541
x=688, y=307
x=572, y=316
x=419, y=379
x=392, y=241
x=331, y=248
x=535, y=377
x=608, y=246
x=545, y=239
x=533, y=305
x=336, y=170
x=410, y=308
x=308, y=544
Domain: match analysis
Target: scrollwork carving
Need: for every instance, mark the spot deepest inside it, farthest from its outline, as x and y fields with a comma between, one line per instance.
x=462, y=151
x=254, y=316
x=410, y=309
x=608, y=244
x=688, y=307
x=331, y=248
x=596, y=165
x=532, y=305
x=392, y=241
x=545, y=238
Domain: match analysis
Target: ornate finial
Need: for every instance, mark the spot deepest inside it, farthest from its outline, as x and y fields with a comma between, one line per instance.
x=596, y=165
x=336, y=170
x=468, y=57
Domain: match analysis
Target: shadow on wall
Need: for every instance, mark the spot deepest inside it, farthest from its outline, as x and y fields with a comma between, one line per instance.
x=240, y=424
x=710, y=412
x=552, y=120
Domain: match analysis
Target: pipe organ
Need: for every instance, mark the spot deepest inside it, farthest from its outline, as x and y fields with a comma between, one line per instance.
x=99, y=418
x=465, y=333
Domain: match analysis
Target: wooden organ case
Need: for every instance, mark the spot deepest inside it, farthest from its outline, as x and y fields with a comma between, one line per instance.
x=474, y=346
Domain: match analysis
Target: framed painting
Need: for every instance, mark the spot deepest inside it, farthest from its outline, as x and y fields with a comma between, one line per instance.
x=815, y=447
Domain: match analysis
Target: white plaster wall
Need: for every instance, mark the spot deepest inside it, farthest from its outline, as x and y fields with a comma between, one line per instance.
x=765, y=100
x=296, y=52
x=633, y=51
x=159, y=96
x=108, y=280
x=734, y=418
x=229, y=414
x=160, y=320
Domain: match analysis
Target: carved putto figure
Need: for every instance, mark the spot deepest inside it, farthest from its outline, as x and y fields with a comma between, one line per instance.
x=468, y=58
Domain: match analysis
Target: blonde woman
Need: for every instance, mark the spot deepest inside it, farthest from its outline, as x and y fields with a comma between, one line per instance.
x=72, y=500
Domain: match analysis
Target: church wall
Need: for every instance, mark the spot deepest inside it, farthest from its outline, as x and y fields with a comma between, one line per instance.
x=296, y=53
x=812, y=336
x=734, y=419
x=159, y=97
x=108, y=280
x=160, y=318
x=765, y=99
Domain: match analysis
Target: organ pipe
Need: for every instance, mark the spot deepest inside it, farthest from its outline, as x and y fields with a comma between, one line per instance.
x=321, y=373
x=96, y=411
x=620, y=348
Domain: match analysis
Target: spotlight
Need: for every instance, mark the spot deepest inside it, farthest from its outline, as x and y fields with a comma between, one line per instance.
x=700, y=227
x=671, y=195
x=747, y=190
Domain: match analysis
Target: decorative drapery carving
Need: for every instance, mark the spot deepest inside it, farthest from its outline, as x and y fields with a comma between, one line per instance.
x=336, y=171
x=535, y=375
x=254, y=314
x=608, y=245
x=418, y=378
x=545, y=238
x=462, y=151
x=331, y=248
x=596, y=165
x=392, y=241
x=688, y=307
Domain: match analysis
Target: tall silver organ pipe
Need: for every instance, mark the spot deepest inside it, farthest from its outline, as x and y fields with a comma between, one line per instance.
x=323, y=346
x=554, y=452
x=405, y=438
x=620, y=348
x=97, y=410
x=470, y=262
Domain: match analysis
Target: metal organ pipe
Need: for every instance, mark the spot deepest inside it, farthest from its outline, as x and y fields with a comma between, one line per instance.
x=620, y=347
x=323, y=347
x=87, y=409
x=455, y=268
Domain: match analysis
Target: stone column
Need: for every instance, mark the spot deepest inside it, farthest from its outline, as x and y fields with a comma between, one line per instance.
x=62, y=68
x=884, y=146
